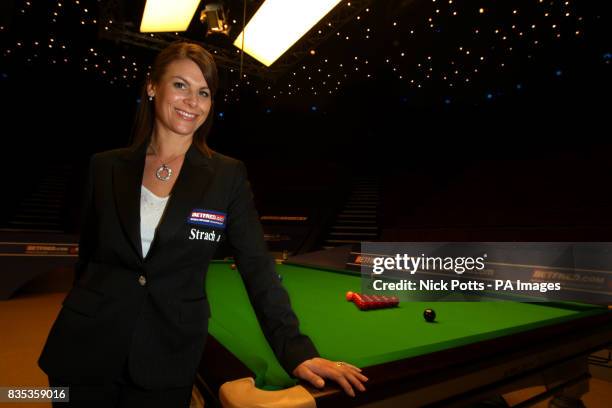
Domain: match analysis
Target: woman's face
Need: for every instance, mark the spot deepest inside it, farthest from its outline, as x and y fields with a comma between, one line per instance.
x=182, y=98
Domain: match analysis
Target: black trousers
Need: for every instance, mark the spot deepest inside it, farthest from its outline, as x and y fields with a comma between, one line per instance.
x=121, y=393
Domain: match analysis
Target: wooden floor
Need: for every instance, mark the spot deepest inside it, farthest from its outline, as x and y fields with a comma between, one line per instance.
x=26, y=319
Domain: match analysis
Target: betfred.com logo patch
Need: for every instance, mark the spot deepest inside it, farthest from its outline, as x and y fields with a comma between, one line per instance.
x=207, y=218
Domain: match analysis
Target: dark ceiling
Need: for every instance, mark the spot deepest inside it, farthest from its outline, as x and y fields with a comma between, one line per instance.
x=420, y=53
x=433, y=86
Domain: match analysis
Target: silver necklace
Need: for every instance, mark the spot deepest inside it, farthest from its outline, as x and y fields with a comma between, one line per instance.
x=163, y=172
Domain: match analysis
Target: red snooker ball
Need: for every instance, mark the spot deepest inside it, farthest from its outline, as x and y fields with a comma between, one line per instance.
x=368, y=302
x=349, y=296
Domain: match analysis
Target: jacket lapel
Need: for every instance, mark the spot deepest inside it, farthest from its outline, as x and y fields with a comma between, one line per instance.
x=192, y=182
x=127, y=179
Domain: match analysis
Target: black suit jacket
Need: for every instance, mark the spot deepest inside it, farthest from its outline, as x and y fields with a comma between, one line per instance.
x=153, y=311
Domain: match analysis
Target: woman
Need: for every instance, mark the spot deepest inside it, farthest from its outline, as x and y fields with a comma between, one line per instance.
x=133, y=327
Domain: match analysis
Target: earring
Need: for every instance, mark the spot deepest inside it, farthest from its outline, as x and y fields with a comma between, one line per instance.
x=150, y=98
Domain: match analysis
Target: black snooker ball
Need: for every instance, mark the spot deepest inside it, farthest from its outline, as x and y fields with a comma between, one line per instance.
x=280, y=277
x=429, y=315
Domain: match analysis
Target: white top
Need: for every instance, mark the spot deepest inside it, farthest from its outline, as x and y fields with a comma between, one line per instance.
x=151, y=210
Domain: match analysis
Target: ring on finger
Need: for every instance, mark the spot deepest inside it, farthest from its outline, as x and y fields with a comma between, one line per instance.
x=339, y=363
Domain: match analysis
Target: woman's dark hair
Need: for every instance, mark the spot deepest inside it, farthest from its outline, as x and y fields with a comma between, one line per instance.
x=145, y=114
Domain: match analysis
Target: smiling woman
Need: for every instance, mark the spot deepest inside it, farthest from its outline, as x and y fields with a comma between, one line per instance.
x=182, y=104
x=154, y=216
x=201, y=71
x=180, y=93
x=182, y=99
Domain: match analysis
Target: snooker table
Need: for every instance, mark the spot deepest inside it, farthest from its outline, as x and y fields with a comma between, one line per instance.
x=473, y=351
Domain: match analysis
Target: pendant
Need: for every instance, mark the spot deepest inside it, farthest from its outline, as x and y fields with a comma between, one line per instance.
x=163, y=173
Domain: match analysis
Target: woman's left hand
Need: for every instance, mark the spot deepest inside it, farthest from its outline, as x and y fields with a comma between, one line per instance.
x=345, y=374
